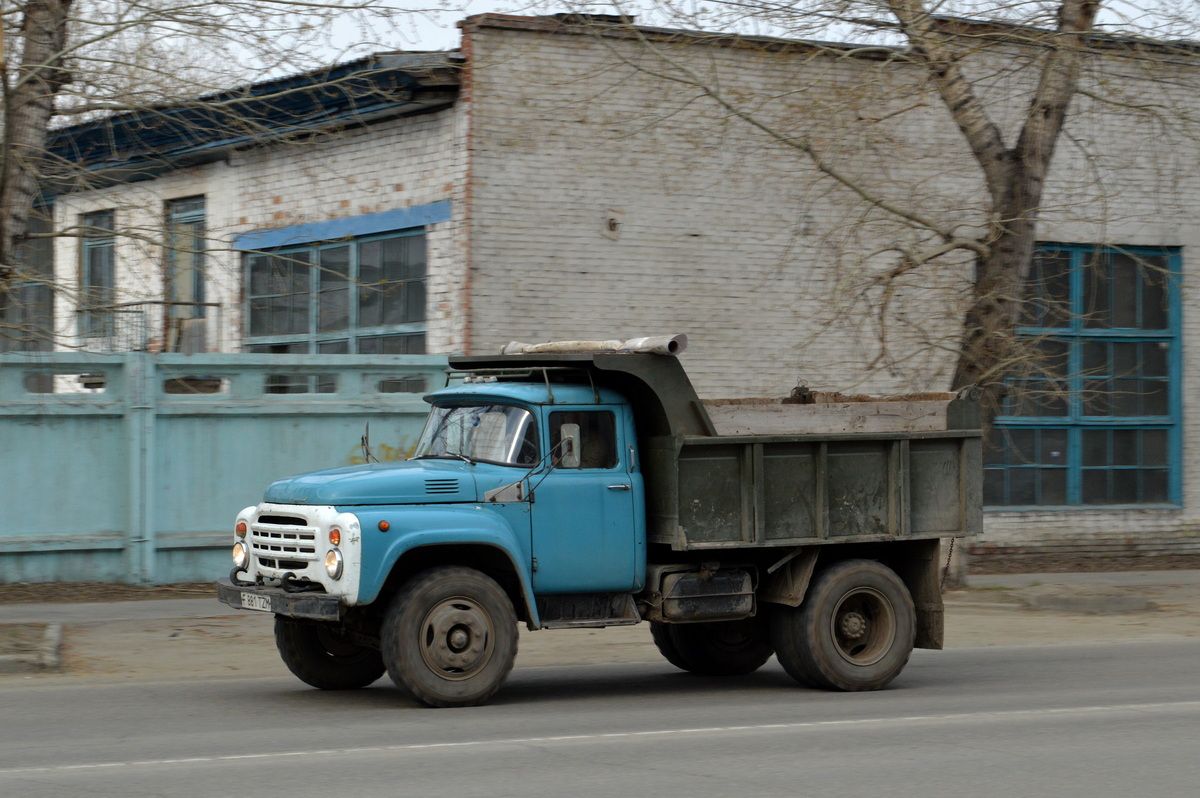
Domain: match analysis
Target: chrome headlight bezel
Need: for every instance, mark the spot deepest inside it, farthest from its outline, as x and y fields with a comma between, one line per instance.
x=334, y=564
x=241, y=555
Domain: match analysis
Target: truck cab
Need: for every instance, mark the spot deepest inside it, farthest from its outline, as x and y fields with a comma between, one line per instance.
x=577, y=509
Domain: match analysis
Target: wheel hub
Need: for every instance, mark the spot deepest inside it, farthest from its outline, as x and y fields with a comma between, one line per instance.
x=457, y=638
x=863, y=626
x=853, y=625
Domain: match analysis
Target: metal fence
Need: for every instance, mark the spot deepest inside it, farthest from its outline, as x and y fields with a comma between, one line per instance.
x=131, y=467
x=152, y=326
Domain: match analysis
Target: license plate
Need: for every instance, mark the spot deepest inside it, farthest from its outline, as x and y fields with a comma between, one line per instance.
x=253, y=601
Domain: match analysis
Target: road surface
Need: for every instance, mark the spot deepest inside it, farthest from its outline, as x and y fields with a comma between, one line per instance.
x=1099, y=719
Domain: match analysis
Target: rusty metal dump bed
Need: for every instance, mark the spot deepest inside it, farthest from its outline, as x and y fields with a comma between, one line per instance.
x=762, y=474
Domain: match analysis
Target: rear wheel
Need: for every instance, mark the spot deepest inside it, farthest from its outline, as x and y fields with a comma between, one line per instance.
x=450, y=637
x=718, y=648
x=324, y=656
x=661, y=634
x=854, y=631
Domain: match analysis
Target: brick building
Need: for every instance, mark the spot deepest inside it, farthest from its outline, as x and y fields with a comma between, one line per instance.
x=556, y=180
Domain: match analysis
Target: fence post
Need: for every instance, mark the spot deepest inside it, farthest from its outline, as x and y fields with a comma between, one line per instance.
x=140, y=419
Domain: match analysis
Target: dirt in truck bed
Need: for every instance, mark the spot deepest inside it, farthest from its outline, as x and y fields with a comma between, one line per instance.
x=806, y=397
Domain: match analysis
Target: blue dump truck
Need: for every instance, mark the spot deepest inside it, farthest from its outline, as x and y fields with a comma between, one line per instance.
x=565, y=488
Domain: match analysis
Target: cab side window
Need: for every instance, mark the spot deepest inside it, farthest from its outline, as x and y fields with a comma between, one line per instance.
x=597, y=436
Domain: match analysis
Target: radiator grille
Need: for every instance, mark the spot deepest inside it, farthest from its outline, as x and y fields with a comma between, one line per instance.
x=279, y=539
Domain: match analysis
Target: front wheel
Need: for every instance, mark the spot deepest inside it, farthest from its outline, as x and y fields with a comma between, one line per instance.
x=449, y=637
x=854, y=631
x=323, y=655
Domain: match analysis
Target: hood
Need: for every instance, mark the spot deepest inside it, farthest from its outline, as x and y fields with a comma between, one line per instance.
x=408, y=482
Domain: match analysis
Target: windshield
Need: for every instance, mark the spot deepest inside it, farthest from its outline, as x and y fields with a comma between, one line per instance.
x=501, y=434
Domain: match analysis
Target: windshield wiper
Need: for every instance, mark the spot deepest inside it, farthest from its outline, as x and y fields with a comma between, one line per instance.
x=445, y=456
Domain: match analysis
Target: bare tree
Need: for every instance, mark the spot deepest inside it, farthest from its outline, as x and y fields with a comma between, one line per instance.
x=1043, y=47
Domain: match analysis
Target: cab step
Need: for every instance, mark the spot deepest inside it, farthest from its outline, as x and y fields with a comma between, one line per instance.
x=587, y=610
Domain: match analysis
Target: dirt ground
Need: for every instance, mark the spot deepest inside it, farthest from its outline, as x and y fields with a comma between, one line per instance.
x=77, y=592
x=235, y=646
x=21, y=638
x=1073, y=563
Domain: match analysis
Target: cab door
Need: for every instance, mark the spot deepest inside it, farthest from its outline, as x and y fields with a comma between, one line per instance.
x=585, y=536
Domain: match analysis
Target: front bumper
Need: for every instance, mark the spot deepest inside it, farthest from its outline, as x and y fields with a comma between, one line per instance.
x=317, y=606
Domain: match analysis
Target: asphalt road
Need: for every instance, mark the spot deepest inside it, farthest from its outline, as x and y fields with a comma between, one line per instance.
x=1080, y=720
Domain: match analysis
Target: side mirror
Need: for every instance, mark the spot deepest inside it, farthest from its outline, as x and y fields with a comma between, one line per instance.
x=568, y=456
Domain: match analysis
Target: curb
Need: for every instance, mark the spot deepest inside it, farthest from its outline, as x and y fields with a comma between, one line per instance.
x=47, y=657
x=984, y=606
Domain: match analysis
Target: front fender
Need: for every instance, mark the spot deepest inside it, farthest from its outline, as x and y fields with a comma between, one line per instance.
x=416, y=526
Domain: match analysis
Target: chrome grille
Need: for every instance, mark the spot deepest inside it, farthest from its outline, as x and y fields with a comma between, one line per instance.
x=274, y=543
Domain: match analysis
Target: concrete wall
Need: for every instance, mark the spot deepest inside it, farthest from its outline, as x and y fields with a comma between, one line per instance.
x=140, y=480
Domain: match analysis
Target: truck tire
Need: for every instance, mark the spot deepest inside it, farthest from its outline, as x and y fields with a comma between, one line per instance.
x=660, y=633
x=449, y=637
x=854, y=631
x=321, y=655
x=719, y=648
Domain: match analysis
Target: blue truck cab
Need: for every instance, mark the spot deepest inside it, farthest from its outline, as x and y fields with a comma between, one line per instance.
x=575, y=489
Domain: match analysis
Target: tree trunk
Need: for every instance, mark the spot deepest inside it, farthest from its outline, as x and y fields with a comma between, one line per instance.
x=28, y=107
x=989, y=348
x=1015, y=179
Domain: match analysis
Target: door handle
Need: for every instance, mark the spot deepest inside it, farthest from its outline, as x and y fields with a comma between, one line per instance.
x=620, y=487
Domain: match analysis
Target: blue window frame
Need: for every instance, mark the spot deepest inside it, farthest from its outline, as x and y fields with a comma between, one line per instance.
x=185, y=256
x=1093, y=419
x=361, y=295
x=98, y=273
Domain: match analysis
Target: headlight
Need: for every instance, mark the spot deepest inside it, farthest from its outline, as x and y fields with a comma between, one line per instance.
x=241, y=557
x=333, y=564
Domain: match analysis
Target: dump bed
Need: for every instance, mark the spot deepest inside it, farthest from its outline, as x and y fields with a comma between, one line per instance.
x=849, y=469
x=759, y=473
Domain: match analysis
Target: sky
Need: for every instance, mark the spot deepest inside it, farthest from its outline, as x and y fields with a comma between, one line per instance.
x=435, y=30
x=425, y=30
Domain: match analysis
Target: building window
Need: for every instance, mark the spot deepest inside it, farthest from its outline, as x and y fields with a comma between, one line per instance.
x=362, y=296
x=27, y=301
x=185, y=247
x=97, y=283
x=1095, y=420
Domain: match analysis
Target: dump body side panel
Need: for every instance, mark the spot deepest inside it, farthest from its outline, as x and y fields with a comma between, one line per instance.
x=803, y=490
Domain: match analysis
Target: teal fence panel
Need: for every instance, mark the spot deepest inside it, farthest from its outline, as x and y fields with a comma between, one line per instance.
x=131, y=468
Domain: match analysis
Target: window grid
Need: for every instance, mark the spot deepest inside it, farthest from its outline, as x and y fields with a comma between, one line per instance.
x=364, y=296
x=185, y=256
x=97, y=273
x=1099, y=426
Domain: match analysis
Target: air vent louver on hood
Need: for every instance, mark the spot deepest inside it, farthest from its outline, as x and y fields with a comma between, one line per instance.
x=441, y=486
